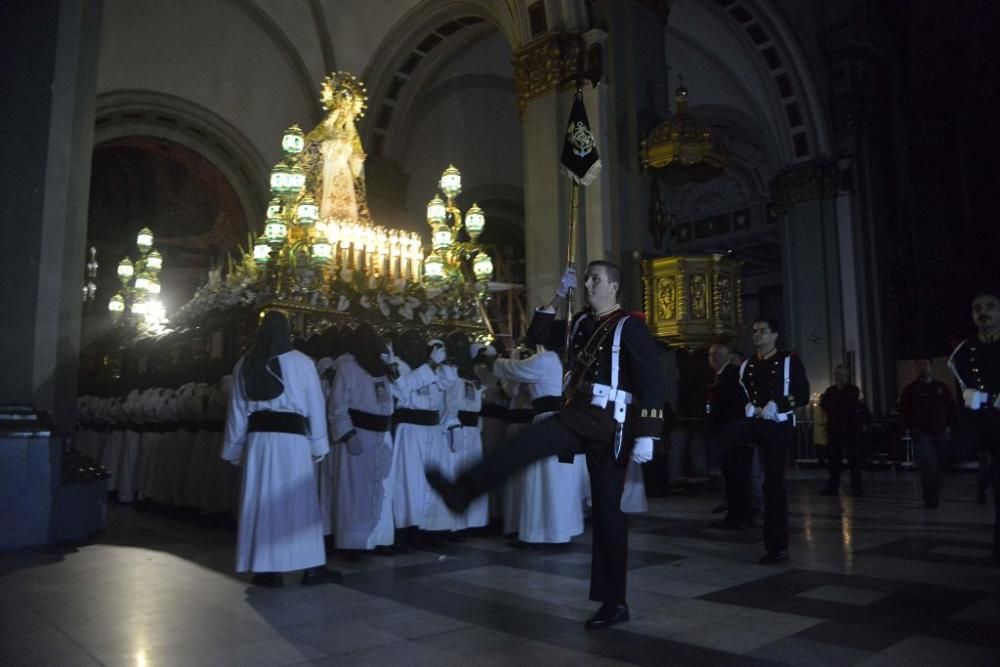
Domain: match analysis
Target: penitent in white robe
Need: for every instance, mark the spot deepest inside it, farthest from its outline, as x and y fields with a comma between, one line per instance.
x=362, y=468
x=327, y=369
x=279, y=521
x=418, y=389
x=466, y=446
x=551, y=509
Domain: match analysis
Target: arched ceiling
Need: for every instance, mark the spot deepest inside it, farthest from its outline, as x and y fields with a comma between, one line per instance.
x=192, y=209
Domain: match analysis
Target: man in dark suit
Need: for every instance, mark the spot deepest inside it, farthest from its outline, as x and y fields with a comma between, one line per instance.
x=844, y=421
x=724, y=412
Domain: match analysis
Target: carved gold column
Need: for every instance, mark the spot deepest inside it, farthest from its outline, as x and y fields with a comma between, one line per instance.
x=547, y=64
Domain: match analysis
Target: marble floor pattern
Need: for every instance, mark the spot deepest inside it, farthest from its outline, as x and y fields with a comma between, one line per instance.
x=877, y=580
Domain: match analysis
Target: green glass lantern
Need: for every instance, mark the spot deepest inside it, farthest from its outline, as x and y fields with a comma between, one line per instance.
x=293, y=141
x=451, y=182
x=144, y=240
x=307, y=212
x=475, y=221
x=125, y=270
x=275, y=231
x=261, y=250
x=482, y=266
x=433, y=268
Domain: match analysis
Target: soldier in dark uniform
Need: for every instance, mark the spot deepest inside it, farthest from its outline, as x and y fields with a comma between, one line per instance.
x=613, y=409
x=775, y=382
x=976, y=365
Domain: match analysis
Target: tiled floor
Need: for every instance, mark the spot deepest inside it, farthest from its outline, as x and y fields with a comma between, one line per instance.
x=873, y=581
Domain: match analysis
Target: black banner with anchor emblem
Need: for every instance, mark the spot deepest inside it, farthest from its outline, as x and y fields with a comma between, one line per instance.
x=580, y=160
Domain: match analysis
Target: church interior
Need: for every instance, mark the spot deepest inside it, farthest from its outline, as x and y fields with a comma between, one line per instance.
x=824, y=168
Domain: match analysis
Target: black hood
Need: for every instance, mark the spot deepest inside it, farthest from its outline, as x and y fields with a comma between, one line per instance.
x=368, y=347
x=457, y=346
x=261, y=371
x=411, y=347
x=334, y=341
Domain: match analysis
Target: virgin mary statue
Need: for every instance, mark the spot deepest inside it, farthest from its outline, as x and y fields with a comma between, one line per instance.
x=336, y=145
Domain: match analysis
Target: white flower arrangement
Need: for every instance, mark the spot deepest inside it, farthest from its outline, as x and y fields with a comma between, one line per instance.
x=369, y=298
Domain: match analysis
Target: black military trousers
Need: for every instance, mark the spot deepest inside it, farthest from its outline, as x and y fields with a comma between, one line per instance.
x=554, y=437
x=982, y=429
x=849, y=443
x=774, y=440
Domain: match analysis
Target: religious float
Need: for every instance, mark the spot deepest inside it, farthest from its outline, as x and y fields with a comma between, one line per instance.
x=321, y=259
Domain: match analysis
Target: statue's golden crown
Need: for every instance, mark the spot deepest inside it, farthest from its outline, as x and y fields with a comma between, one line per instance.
x=344, y=89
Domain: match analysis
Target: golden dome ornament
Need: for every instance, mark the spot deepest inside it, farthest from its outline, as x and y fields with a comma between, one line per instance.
x=685, y=150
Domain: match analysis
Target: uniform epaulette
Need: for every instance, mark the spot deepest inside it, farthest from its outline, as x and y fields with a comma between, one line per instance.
x=637, y=313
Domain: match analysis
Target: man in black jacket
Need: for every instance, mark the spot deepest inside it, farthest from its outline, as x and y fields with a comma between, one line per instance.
x=926, y=408
x=844, y=420
x=775, y=382
x=725, y=431
x=613, y=409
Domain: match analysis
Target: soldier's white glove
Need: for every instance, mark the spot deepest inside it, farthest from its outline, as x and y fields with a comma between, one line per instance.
x=750, y=411
x=236, y=462
x=566, y=283
x=770, y=411
x=642, y=450
x=319, y=459
x=974, y=399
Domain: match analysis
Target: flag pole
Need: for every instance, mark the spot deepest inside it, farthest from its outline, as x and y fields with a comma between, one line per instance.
x=574, y=202
x=581, y=163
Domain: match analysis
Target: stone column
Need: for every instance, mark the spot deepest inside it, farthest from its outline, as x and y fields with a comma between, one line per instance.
x=49, y=55
x=859, y=78
x=814, y=323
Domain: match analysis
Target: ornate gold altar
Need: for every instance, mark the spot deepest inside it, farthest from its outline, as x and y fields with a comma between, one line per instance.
x=693, y=301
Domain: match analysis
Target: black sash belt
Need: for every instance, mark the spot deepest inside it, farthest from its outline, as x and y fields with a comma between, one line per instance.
x=212, y=424
x=467, y=418
x=418, y=417
x=191, y=425
x=118, y=426
x=547, y=404
x=370, y=422
x=521, y=416
x=267, y=421
x=133, y=426
x=494, y=410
